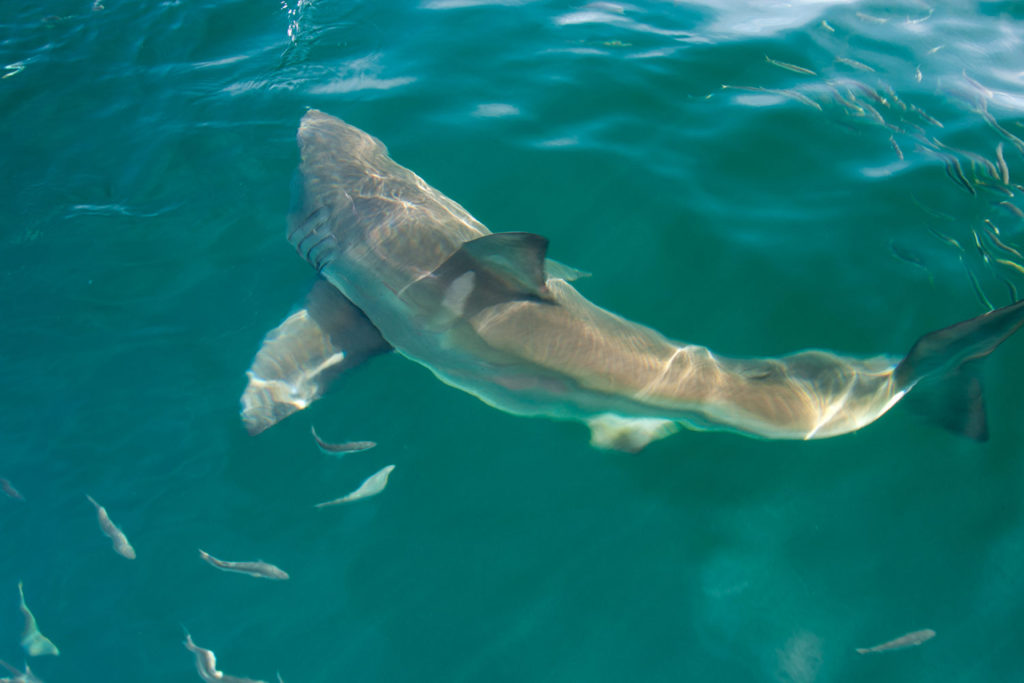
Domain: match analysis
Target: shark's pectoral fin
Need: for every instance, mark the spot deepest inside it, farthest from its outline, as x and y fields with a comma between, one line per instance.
x=629, y=434
x=300, y=357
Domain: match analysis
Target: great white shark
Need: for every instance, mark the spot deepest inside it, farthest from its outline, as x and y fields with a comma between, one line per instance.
x=404, y=267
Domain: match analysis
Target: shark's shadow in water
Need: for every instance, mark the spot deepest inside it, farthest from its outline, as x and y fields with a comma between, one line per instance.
x=403, y=267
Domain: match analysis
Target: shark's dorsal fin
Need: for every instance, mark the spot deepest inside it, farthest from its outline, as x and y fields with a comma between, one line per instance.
x=510, y=261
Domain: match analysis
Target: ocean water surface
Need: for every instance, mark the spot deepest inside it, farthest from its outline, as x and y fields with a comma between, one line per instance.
x=756, y=177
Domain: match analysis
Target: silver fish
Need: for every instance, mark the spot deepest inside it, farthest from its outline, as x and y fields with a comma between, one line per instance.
x=789, y=67
x=25, y=676
x=1012, y=208
x=206, y=665
x=1010, y=264
x=486, y=314
x=341, y=448
x=121, y=545
x=373, y=485
x=994, y=236
x=1004, y=170
x=34, y=642
x=896, y=147
x=9, y=490
x=853, y=63
x=871, y=18
x=792, y=94
x=259, y=569
x=909, y=640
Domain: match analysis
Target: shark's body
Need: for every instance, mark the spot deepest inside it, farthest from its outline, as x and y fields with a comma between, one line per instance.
x=488, y=314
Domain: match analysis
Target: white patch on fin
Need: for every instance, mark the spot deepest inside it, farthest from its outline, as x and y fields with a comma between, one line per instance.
x=458, y=292
x=630, y=434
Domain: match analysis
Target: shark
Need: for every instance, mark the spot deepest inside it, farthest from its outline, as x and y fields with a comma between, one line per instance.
x=401, y=267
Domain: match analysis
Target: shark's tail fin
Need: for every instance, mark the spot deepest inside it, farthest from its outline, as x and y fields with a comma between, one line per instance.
x=940, y=364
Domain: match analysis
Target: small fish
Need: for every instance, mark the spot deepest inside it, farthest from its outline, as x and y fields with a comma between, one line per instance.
x=848, y=102
x=792, y=94
x=799, y=97
x=991, y=121
x=853, y=63
x=982, y=250
x=870, y=93
x=1012, y=208
x=371, y=487
x=9, y=489
x=924, y=115
x=121, y=545
x=1004, y=170
x=260, y=569
x=905, y=254
x=995, y=189
x=827, y=26
x=955, y=171
x=1010, y=264
x=13, y=70
x=918, y=76
x=934, y=213
x=789, y=67
x=895, y=146
x=873, y=19
x=875, y=114
x=934, y=49
x=34, y=642
x=985, y=92
x=945, y=238
x=25, y=676
x=977, y=286
x=918, y=20
x=206, y=665
x=346, y=447
x=989, y=167
x=894, y=98
x=909, y=640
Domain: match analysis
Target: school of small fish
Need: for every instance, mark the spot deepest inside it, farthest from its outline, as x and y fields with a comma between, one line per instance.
x=863, y=99
x=35, y=644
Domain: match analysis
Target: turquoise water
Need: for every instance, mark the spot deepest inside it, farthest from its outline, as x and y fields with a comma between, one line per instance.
x=149, y=148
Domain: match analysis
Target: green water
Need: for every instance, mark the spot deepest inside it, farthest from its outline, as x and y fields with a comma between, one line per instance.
x=149, y=148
